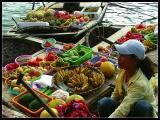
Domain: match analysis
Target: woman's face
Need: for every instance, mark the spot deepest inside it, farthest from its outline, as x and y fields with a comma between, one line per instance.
x=126, y=62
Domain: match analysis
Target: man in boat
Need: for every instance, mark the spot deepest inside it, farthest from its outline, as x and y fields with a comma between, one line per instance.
x=133, y=95
x=71, y=7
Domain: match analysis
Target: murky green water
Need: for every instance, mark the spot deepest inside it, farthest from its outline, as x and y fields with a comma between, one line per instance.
x=15, y=10
x=115, y=14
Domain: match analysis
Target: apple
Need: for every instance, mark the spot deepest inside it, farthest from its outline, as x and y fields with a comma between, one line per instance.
x=103, y=59
x=56, y=102
x=98, y=63
x=45, y=114
x=81, y=19
x=61, y=13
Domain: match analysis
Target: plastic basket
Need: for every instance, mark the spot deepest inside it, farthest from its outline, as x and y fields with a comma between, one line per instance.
x=87, y=56
x=23, y=59
x=27, y=110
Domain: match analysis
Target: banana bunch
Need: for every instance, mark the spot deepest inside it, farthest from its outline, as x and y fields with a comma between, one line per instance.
x=149, y=44
x=79, y=78
x=79, y=70
x=59, y=76
x=96, y=79
x=79, y=82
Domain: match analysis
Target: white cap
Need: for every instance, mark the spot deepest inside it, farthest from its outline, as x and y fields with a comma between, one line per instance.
x=132, y=46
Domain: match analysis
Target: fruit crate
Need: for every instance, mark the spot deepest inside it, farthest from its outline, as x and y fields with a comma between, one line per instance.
x=92, y=15
x=26, y=109
x=85, y=57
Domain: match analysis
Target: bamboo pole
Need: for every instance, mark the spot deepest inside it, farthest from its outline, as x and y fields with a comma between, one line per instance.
x=33, y=5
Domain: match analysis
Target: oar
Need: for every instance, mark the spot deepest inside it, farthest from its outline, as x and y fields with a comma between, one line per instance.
x=15, y=21
x=19, y=81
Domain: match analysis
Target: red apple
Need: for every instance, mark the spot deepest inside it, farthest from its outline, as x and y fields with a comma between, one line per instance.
x=98, y=63
x=103, y=59
x=81, y=19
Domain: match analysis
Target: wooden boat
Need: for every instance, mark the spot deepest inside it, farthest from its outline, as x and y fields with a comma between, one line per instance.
x=92, y=98
x=62, y=34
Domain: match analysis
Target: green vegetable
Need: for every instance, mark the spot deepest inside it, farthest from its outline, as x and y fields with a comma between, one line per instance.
x=74, y=57
x=66, y=59
x=71, y=53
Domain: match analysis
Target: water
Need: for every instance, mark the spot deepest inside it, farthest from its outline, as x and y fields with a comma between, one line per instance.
x=15, y=10
x=115, y=14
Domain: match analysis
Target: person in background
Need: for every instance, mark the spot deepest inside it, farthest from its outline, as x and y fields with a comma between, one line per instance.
x=133, y=95
x=71, y=7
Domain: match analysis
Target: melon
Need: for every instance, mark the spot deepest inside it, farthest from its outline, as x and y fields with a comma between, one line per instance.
x=74, y=97
x=107, y=68
x=56, y=102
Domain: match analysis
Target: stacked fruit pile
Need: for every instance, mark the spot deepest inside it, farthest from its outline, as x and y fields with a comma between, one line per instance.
x=74, y=106
x=51, y=56
x=79, y=79
x=143, y=33
x=32, y=74
x=56, y=18
x=58, y=64
x=34, y=62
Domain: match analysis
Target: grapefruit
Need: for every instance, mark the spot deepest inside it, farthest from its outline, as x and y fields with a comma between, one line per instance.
x=107, y=68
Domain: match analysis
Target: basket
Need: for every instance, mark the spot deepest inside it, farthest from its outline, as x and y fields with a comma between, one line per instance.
x=51, y=40
x=64, y=87
x=88, y=54
x=23, y=59
x=27, y=110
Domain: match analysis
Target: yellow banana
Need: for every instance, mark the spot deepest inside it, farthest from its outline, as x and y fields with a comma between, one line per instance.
x=70, y=84
x=85, y=87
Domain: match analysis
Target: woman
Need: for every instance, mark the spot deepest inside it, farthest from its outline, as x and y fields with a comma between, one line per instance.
x=133, y=95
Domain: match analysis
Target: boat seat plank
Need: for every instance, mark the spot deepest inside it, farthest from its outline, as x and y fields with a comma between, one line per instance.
x=113, y=38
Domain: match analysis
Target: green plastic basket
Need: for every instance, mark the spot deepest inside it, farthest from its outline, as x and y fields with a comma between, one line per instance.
x=51, y=40
x=87, y=56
